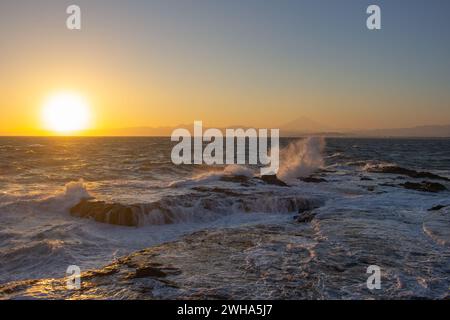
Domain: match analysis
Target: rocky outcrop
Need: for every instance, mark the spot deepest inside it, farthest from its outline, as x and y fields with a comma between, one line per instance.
x=273, y=179
x=236, y=179
x=101, y=211
x=425, y=186
x=313, y=179
x=223, y=191
x=304, y=217
x=287, y=261
x=212, y=264
x=407, y=172
x=438, y=207
x=205, y=202
x=269, y=179
x=153, y=270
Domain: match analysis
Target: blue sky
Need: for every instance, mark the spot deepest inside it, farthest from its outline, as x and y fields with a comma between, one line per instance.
x=247, y=61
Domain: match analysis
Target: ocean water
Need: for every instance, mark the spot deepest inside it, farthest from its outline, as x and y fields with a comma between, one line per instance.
x=362, y=213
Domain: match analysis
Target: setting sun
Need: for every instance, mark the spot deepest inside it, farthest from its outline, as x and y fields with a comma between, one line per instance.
x=66, y=112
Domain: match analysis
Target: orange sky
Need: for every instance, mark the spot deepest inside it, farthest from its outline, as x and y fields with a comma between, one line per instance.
x=261, y=68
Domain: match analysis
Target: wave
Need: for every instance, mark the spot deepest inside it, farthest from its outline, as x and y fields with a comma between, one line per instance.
x=435, y=226
x=190, y=208
x=31, y=257
x=72, y=194
x=233, y=170
x=301, y=158
x=59, y=201
x=335, y=155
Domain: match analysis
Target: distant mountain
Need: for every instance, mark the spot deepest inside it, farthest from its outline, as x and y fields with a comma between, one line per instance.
x=299, y=127
x=419, y=131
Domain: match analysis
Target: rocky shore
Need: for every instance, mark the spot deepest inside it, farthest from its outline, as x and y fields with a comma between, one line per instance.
x=213, y=200
x=295, y=260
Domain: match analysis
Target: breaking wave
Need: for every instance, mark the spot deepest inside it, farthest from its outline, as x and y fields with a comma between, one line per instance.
x=72, y=194
x=191, y=208
x=59, y=201
x=301, y=158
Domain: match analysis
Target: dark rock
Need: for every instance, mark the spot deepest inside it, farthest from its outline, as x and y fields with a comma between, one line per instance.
x=107, y=271
x=336, y=268
x=101, y=211
x=301, y=210
x=236, y=179
x=306, y=216
x=388, y=185
x=366, y=179
x=273, y=179
x=153, y=270
x=407, y=172
x=306, y=207
x=227, y=192
x=326, y=171
x=145, y=272
x=313, y=180
x=438, y=207
x=424, y=186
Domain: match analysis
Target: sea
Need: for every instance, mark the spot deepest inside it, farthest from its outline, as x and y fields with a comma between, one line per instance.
x=357, y=185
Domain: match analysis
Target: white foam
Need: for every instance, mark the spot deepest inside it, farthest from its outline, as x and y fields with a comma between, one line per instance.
x=72, y=194
x=301, y=158
x=211, y=176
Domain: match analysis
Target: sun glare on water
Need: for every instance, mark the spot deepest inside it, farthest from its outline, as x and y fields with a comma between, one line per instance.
x=66, y=113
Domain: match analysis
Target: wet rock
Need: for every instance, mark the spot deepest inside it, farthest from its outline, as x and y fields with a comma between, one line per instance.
x=169, y=210
x=388, y=185
x=424, y=186
x=227, y=192
x=251, y=261
x=13, y=287
x=407, y=172
x=303, y=209
x=305, y=216
x=273, y=179
x=326, y=171
x=149, y=272
x=236, y=179
x=101, y=211
x=313, y=180
x=105, y=272
x=366, y=179
x=438, y=207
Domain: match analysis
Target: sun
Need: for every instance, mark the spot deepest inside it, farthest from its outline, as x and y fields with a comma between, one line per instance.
x=66, y=112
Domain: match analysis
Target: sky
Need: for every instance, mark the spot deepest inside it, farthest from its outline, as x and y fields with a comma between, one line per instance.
x=256, y=63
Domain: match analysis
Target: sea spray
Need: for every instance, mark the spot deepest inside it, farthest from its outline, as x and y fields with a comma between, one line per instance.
x=73, y=193
x=301, y=158
x=76, y=189
x=237, y=141
x=238, y=170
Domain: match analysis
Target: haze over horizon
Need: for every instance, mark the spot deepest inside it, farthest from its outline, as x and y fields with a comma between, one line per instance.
x=165, y=63
x=295, y=128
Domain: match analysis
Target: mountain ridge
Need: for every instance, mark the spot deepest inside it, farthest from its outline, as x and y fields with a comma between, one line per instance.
x=292, y=130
